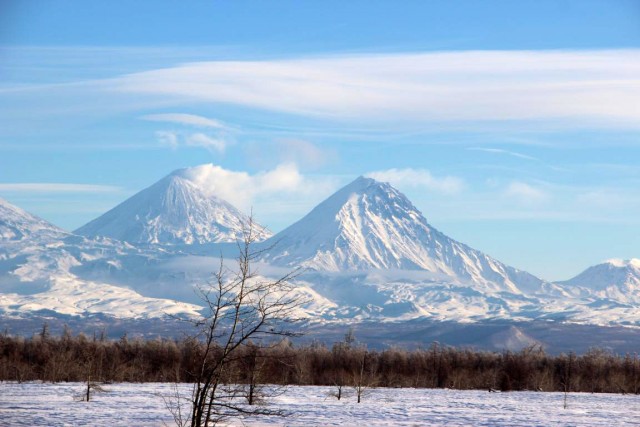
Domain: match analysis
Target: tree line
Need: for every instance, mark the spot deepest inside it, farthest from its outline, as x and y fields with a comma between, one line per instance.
x=343, y=365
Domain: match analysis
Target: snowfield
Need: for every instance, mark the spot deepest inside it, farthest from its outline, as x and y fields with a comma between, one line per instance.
x=38, y=404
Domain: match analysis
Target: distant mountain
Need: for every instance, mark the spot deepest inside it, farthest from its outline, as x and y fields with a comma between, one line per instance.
x=373, y=261
x=17, y=224
x=371, y=225
x=614, y=279
x=47, y=271
x=175, y=210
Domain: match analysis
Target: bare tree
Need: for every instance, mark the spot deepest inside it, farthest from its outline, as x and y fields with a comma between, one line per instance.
x=364, y=375
x=251, y=365
x=567, y=377
x=92, y=359
x=339, y=382
x=241, y=308
x=339, y=354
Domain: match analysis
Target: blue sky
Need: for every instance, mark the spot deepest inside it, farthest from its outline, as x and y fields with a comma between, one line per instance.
x=513, y=126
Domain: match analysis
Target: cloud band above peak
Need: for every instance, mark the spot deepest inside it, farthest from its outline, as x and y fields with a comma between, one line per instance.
x=576, y=88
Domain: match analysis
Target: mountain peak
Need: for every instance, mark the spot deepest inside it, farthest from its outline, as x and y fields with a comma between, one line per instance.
x=17, y=224
x=614, y=278
x=195, y=173
x=370, y=225
x=364, y=183
x=623, y=263
x=361, y=183
x=367, y=196
x=178, y=209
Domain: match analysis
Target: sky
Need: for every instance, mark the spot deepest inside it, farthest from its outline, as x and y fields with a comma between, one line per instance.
x=513, y=126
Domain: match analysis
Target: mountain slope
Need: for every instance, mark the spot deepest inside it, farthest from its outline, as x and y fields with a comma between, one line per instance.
x=614, y=279
x=373, y=259
x=17, y=224
x=41, y=269
x=175, y=210
x=371, y=225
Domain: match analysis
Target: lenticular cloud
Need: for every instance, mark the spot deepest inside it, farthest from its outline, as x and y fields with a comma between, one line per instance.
x=575, y=88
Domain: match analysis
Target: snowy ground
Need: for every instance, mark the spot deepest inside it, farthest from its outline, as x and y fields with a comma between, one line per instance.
x=36, y=404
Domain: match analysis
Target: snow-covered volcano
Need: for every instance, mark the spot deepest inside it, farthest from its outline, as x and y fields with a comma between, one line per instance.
x=615, y=279
x=17, y=224
x=44, y=268
x=371, y=225
x=175, y=210
x=374, y=259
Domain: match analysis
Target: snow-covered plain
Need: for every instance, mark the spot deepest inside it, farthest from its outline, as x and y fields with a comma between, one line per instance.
x=36, y=404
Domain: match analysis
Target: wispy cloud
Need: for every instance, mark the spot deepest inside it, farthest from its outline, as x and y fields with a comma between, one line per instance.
x=501, y=151
x=175, y=139
x=50, y=187
x=206, y=141
x=303, y=153
x=607, y=198
x=574, y=88
x=168, y=138
x=215, y=141
x=186, y=119
x=419, y=178
x=532, y=201
x=362, y=96
x=526, y=193
x=300, y=151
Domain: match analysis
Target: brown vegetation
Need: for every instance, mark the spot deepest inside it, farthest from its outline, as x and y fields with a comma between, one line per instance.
x=342, y=366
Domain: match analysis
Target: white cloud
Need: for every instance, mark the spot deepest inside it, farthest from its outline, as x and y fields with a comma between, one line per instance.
x=176, y=139
x=52, y=187
x=264, y=190
x=575, y=88
x=501, y=151
x=359, y=95
x=303, y=153
x=206, y=141
x=607, y=199
x=419, y=178
x=525, y=193
x=168, y=138
x=185, y=119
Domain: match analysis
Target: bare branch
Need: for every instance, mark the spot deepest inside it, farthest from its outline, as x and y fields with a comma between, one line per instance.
x=241, y=310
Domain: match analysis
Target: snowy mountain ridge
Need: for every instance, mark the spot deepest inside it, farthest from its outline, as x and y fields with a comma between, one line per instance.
x=41, y=270
x=370, y=255
x=175, y=210
x=17, y=224
x=614, y=279
x=371, y=225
